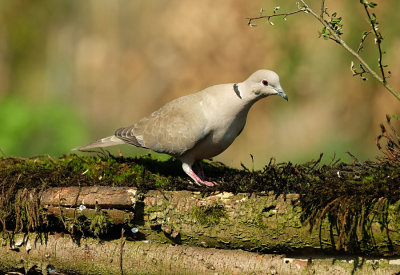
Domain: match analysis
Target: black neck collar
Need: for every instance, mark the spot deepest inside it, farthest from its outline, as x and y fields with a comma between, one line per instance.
x=236, y=89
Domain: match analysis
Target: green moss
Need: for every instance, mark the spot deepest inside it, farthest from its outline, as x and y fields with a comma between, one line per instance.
x=100, y=224
x=368, y=179
x=154, y=208
x=208, y=215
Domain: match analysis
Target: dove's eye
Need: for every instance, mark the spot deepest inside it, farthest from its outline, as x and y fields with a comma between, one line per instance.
x=265, y=82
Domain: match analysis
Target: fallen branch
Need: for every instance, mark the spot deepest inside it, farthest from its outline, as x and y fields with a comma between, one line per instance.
x=59, y=254
x=254, y=222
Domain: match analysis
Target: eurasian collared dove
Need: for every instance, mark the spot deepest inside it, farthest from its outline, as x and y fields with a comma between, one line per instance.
x=198, y=126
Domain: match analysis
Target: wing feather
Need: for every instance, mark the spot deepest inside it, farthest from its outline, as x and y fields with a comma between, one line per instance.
x=173, y=129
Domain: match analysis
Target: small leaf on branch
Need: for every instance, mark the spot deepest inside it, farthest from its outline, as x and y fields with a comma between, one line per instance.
x=373, y=18
x=372, y=5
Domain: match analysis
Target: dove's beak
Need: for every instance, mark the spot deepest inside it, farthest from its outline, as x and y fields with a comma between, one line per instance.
x=281, y=93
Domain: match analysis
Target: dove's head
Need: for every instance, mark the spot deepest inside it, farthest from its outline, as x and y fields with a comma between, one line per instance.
x=264, y=83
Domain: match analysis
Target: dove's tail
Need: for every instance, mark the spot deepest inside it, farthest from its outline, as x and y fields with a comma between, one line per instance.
x=104, y=142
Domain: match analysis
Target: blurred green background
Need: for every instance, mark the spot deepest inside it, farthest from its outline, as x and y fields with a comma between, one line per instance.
x=74, y=71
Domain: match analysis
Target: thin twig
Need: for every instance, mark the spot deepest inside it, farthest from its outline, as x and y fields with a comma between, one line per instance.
x=335, y=201
x=352, y=52
x=121, y=252
x=355, y=72
x=273, y=15
x=378, y=42
x=342, y=227
x=333, y=35
x=360, y=47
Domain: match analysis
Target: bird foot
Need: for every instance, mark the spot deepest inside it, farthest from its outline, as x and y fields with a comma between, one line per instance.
x=207, y=183
x=197, y=180
x=199, y=170
x=200, y=181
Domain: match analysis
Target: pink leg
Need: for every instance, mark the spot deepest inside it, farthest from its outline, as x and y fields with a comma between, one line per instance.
x=200, y=170
x=188, y=170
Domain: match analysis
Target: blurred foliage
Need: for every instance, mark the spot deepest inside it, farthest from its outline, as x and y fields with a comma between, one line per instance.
x=28, y=129
x=114, y=62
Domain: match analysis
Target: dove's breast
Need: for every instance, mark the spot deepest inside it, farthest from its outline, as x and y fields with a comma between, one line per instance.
x=224, y=124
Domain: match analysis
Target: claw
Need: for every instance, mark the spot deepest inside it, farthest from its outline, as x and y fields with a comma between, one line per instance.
x=199, y=170
x=208, y=183
x=188, y=170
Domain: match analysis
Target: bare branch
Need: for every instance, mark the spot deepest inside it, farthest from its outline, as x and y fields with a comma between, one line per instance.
x=352, y=52
x=268, y=17
x=378, y=40
x=332, y=31
x=357, y=72
x=360, y=47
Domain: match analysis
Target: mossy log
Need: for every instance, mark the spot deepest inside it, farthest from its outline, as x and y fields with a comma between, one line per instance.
x=252, y=222
x=295, y=209
x=177, y=232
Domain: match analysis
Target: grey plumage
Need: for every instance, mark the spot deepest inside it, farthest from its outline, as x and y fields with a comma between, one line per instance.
x=104, y=142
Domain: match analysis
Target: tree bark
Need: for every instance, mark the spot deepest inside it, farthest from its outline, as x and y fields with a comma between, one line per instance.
x=123, y=257
x=252, y=222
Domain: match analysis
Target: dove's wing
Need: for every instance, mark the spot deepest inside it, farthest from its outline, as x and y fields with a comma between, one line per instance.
x=173, y=129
